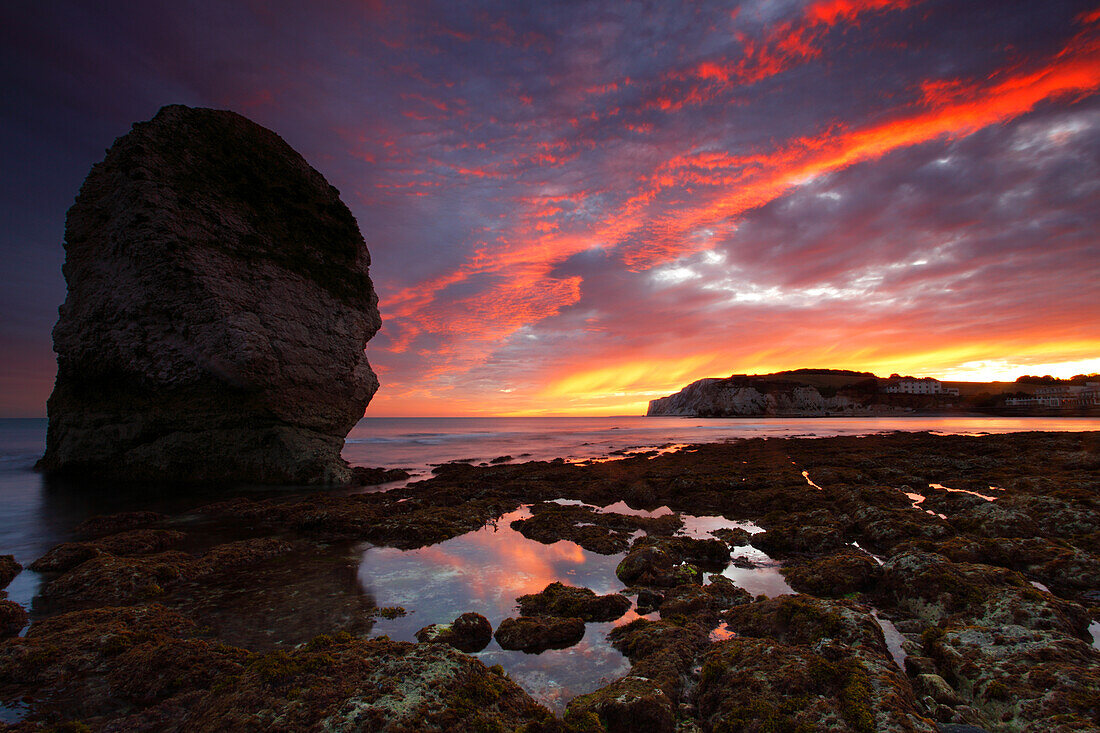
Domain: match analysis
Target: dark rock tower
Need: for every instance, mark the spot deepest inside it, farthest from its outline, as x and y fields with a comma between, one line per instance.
x=218, y=304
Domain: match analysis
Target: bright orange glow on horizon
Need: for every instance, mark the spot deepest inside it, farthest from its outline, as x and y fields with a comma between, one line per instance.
x=631, y=395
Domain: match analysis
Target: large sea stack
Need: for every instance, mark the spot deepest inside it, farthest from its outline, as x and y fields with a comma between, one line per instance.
x=219, y=302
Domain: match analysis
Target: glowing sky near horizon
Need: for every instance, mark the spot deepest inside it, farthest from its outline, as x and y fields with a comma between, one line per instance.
x=577, y=207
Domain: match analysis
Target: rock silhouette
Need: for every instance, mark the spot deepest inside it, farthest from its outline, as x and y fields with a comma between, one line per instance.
x=219, y=300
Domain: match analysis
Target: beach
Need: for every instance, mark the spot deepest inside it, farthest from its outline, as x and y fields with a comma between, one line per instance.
x=901, y=549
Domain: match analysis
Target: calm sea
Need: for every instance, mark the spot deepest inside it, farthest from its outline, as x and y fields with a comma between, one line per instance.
x=36, y=514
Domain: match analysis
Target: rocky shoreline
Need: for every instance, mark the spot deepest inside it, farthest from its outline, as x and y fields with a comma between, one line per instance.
x=982, y=553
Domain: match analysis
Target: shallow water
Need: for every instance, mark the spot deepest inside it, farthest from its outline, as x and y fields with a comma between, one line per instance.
x=483, y=571
x=941, y=487
x=486, y=570
x=893, y=638
x=417, y=443
x=763, y=579
x=38, y=514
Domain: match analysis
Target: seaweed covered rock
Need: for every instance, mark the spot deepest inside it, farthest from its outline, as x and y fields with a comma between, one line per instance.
x=936, y=590
x=649, y=565
x=219, y=301
x=1023, y=679
x=799, y=532
x=109, y=579
x=536, y=634
x=1066, y=569
x=626, y=705
x=995, y=519
x=662, y=651
x=884, y=529
x=125, y=544
x=101, y=662
x=567, y=601
x=801, y=663
x=733, y=537
x=146, y=668
x=837, y=574
x=106, y=578
x=470, y=632
x=702, y=603
x=709, y=554
x=366, y=476
x=602, y=532
x=688, y=601
x=758, y=684
x=1016, y=654
x=105, y=524
x=239, y=554
x=9, y=568
x=725, y=592
x=12, y=618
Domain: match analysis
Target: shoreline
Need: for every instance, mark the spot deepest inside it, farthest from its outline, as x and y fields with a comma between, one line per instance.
x=916, y=413
x=859, y=548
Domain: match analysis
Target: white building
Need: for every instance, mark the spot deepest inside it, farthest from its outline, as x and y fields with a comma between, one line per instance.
x=1073, y=395
x=909, y=385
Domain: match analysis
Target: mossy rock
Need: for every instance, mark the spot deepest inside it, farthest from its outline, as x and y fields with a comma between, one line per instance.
x=566, y=601
x=626, y=705
x=470, y=632
x=535, y=634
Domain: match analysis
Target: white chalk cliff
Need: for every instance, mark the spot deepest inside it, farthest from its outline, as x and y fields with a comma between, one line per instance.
x=717, y=397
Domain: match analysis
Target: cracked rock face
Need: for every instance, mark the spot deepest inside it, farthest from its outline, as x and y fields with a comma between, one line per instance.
x=218, y=304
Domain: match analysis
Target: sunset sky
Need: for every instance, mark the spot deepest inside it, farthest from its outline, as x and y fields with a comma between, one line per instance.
x=573, y=208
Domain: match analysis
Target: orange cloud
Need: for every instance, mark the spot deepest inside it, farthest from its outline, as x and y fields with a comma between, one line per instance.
x=785, y=46
x=520, y=260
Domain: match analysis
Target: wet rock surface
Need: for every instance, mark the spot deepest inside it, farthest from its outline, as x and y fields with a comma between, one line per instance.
x=218, y=304
x=470, y=632
x=605, y=533
x=628, y=704
x=985, y=646
x=125, y=544
x=9, y=568
x=12, y=618
x=536, y=634
x=566, y=601
x=839, y=573
x=150, y=669
x=365, y=476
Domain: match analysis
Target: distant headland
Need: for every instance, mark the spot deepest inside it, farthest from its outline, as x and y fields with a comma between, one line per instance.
x=841, y=392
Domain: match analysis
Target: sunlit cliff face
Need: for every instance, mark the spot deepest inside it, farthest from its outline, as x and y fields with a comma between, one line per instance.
x=575, y=210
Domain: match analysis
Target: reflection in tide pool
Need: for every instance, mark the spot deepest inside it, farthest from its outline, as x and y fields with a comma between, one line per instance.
x=485, y=571
x=700, y=528
x=893, y=638
x=763, y=578
x=721, y=632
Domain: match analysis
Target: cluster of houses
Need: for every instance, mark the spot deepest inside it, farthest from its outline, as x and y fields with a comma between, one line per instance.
x=923, y=385
x=1056, y=395
x=1059, y=395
